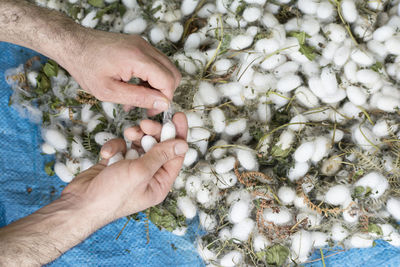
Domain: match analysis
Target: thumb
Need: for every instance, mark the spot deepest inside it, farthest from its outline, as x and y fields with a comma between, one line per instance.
x=162, y=153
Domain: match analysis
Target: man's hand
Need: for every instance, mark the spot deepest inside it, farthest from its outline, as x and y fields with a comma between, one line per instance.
x=96, y=197
x=130, y=186
x=110, y=60
x=101, y=62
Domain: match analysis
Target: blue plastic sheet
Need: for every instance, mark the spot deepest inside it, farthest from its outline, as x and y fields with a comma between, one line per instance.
x=25, y=187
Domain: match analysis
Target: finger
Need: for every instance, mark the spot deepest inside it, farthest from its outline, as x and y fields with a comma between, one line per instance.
x=152, y=128
x=162, y=153
x=170, y=66
x=157, y=75
x=134, y=134
x=112, y=147
x=152, y=112
x=134, y=95
x=127, y=108
x=181, y=125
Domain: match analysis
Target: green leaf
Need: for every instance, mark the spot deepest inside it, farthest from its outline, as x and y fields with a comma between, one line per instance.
x=51, y=68
x=358, y=191
x=96, y=3
x=377, y=67
x=43, y=84
x=106, y=9
x=373, y=228
x=48, y=168
x=162, y=218
x=306, y=50
x=301, y=36
x=368, y=191
x=73, y=11
x=277, y=255
x=277, y=151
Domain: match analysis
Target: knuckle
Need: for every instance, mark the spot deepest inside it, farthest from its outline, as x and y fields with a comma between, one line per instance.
x=162, y=154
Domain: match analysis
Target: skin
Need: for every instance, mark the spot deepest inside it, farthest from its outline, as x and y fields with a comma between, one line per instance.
x=97, y=197
x=101, y=63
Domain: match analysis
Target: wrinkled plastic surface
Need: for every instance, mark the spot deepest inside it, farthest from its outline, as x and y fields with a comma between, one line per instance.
x=21, y=172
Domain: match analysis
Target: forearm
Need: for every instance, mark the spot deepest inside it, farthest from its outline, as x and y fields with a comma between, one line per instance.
x=49, y=32
x=43, y=236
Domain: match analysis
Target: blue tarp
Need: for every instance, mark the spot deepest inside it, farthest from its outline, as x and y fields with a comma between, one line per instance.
x=25, y=187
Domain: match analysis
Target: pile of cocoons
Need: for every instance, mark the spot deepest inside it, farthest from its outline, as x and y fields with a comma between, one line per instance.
x=293, y=113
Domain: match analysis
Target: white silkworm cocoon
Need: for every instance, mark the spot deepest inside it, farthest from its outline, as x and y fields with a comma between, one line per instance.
x=305, y=97
x=206, y=11
x=286, y=139
x=187, y=207
x=350, y=216
x=208, y=93
x=94, y=122
x=362, y=58
x=364, y=137
x=225, y=165
x=377, y=48
x=148, y=142
x=266, y=46
x=301, y=245
x=242, y=230
x=175, y=32
x=131, y=154
x=299, y=202
x=313, y=218
x=273, y=61
x=168, y=131
x=325, y=10
x=63, y=172
x=226, y=180
x=86, y=113
x=338, y=232
x=194, y=119
x=188, y=6
x=55, y=138
x=231, y=259
x=117, y=157
x=218, y=120
x=393, y=45
x=264, y=110
x=156, y=35
x=32, y=75
x=383, y=33
x=236, y=127
x=239, y=211
x=202, y=146
x=310, y=26
x=208, y=222
x=321, y=148
x=130, y=3
x=190, y=157
x=89, y=21
x=247, y=159
x=298, y=170
x=198, y=134
x=251, y=14
x=335, y=32
x=387, y=103
x=289, y=83
x=203, y=195
x=376, y=182
x=329, y=82
x=219, y=152
x=180, y=231
x=308, y=6
x=193, y=184
x=73, y=165
x=180, y=181
x=359, y=241
x=86, y=164
x=341, y=56
x=136, y=26
x=349, y=11
x=225, y=234
x=48, y=149
x=240, y=42
x=304, y=152
x=192, y=42
x=383, y=129
x=269, y=20
x=319, y=239
x=367, y=76
x=110, y=109
x=263, y=82
x=286, y=195
x=77, y=149
x=356, y=95
x=229, y=89
x=393, y=207
x=260, y=242
x=350, y=71
x=331, y=165
x=337, y=135
x=282, y=217
x=338, y=195
x=222, y=66
x=103, y=137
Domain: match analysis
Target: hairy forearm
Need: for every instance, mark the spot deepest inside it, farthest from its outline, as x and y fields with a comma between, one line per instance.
x=49, y=32
x=43, y=236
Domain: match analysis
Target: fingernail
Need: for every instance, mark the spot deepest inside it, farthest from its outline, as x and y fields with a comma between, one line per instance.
x=106, y=151
x=181, y=148
x=161, y=105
